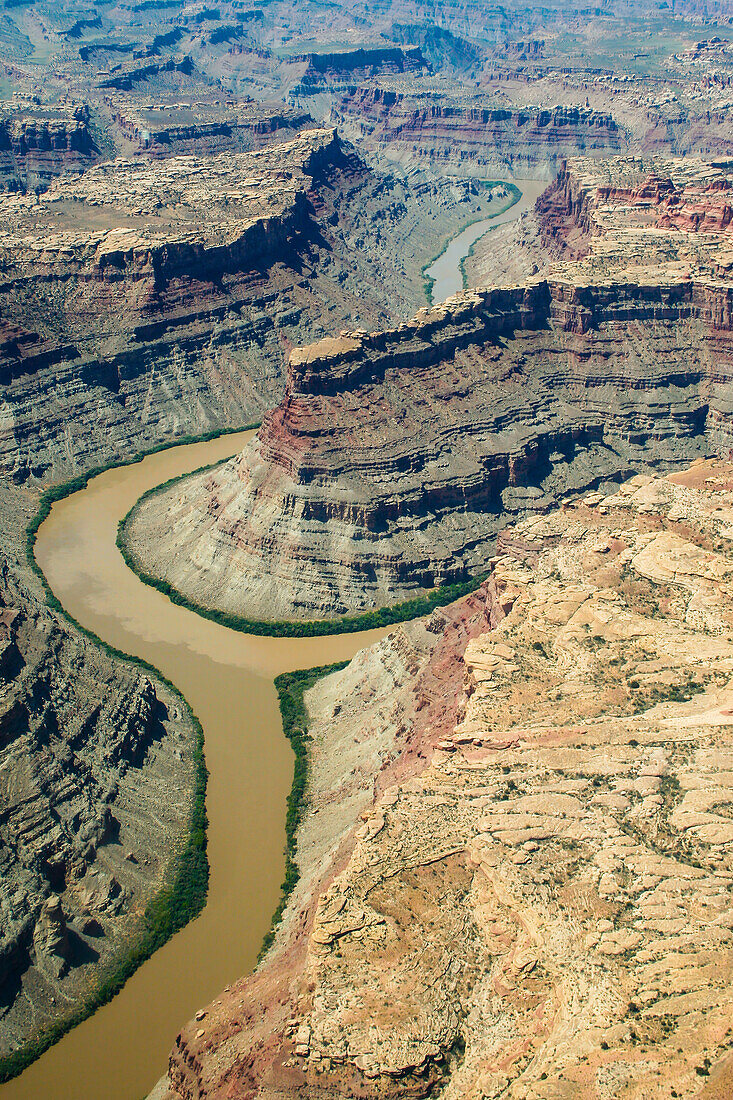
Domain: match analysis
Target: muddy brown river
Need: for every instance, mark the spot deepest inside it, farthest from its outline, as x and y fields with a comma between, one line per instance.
x=227, y=677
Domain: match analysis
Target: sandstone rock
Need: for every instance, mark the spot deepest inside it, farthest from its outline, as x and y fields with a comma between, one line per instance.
x=489, y=899
x=459, y=133
x=51, y=939
x=166, y=291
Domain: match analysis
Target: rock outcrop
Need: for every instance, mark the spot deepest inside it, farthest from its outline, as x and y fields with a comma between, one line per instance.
x=465, y=135
x=321, y=70
x=145, y=297
x=396, y=457
x=201, y=129
x=535, y=901
x=35, y=150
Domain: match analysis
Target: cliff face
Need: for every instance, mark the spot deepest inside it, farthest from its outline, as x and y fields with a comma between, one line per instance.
x=523, y=886
x=113, y=292
x=588, y=201
x=463, y=137
x=144, y=297
x=34, y=151
x=324, y=69
x=165, y=130
x=396, y=457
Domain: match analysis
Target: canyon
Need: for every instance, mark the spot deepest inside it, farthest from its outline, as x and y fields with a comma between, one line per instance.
x=96, y=758
x=146, y=296
x=515, y=850
x=397, y=456
x=215, y=216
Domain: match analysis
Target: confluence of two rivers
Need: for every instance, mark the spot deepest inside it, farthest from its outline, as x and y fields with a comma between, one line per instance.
x=227, y=677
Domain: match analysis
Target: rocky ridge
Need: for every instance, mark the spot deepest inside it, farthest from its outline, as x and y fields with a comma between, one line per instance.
x=397, y=456
x=462, y=135
x=325, y=69
x=515, y=858
x=202, y=129
x=35, y=150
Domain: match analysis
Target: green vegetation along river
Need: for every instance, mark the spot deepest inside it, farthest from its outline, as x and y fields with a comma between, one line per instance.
x=227, y=677
x=445, y=274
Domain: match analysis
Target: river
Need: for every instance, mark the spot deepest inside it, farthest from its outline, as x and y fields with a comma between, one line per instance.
x=227, y=677
x=446, y=271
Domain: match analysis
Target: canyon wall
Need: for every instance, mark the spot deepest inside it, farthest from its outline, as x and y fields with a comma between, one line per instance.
x=163, y=130
x=467, y=137
x=145, y=298
x=321, y=70
x=397, y=456
x=87, y=747
x=34, y=151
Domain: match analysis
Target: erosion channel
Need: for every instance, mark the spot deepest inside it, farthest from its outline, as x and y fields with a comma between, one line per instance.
x=227, y=677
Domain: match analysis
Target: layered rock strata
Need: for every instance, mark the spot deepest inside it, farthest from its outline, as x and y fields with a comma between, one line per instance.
x=629, y=215
x=468, y=136
x=34, y=151
x=396, y=457
x=145, y=298
x=326, y=69
x=96, y=778
x=536, y=900
x=165, y=130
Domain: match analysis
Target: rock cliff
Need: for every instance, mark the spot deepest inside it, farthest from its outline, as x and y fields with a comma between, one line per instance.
x=468, y=136
x=35, y=150
x=326, y=69
x=515, y=855
x=397, y=456
x=202, y=129
x=87, y=746
x=145, y=297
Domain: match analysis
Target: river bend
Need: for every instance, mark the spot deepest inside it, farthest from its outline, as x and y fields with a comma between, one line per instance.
x=227, y=677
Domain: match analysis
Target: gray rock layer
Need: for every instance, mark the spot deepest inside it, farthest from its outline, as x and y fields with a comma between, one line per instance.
x=396, y=458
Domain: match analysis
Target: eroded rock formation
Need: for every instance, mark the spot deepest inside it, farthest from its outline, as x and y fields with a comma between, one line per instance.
x=396, y=457
x=144, y=297
x=521, y=886
x=326, y=69
x=35, y=150
x=464, y=135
